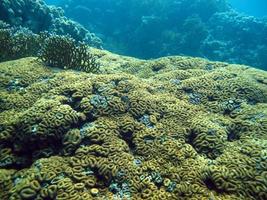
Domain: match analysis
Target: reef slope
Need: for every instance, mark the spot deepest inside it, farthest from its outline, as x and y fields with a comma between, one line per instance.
x=171, y=128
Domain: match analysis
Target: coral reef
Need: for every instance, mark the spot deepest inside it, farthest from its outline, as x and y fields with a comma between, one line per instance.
x=246, y=46
x=172, y=128
x=18, y=42
x=63, y=52
x=151, y=29
x=54, y=50
x=38, y=17
x=206, y=28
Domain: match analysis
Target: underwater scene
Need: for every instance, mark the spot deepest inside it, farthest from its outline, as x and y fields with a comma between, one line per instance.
x=133, y=99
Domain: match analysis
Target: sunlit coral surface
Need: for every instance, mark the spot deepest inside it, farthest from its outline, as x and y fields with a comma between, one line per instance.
x=172, y=128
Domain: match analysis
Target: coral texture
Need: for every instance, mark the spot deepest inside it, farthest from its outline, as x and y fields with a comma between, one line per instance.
x=38, y=17
x=173, y=128
x=54, y=50
x=18, y=42
x=63, y=52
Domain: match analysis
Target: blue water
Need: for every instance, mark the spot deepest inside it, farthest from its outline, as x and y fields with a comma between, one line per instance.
x=223, y=30
x=52, y=2
x=233, y=31
x=257, y=8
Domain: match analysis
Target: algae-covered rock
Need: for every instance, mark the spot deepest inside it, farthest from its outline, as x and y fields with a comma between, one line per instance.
x=171, y=128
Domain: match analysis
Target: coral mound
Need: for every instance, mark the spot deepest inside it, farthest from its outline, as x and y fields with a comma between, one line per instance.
x=172, y=128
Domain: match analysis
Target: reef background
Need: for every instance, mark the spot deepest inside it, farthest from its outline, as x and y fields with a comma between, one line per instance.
x=207, y=28
x=150, y=29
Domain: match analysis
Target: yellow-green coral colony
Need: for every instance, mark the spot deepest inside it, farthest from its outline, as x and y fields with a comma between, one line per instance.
x=173, y=128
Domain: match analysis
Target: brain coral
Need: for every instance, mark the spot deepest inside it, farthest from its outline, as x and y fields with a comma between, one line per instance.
x=172, y=128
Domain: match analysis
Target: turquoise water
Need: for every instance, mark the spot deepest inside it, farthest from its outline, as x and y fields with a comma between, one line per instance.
x=231, y=31
x=257, y=8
